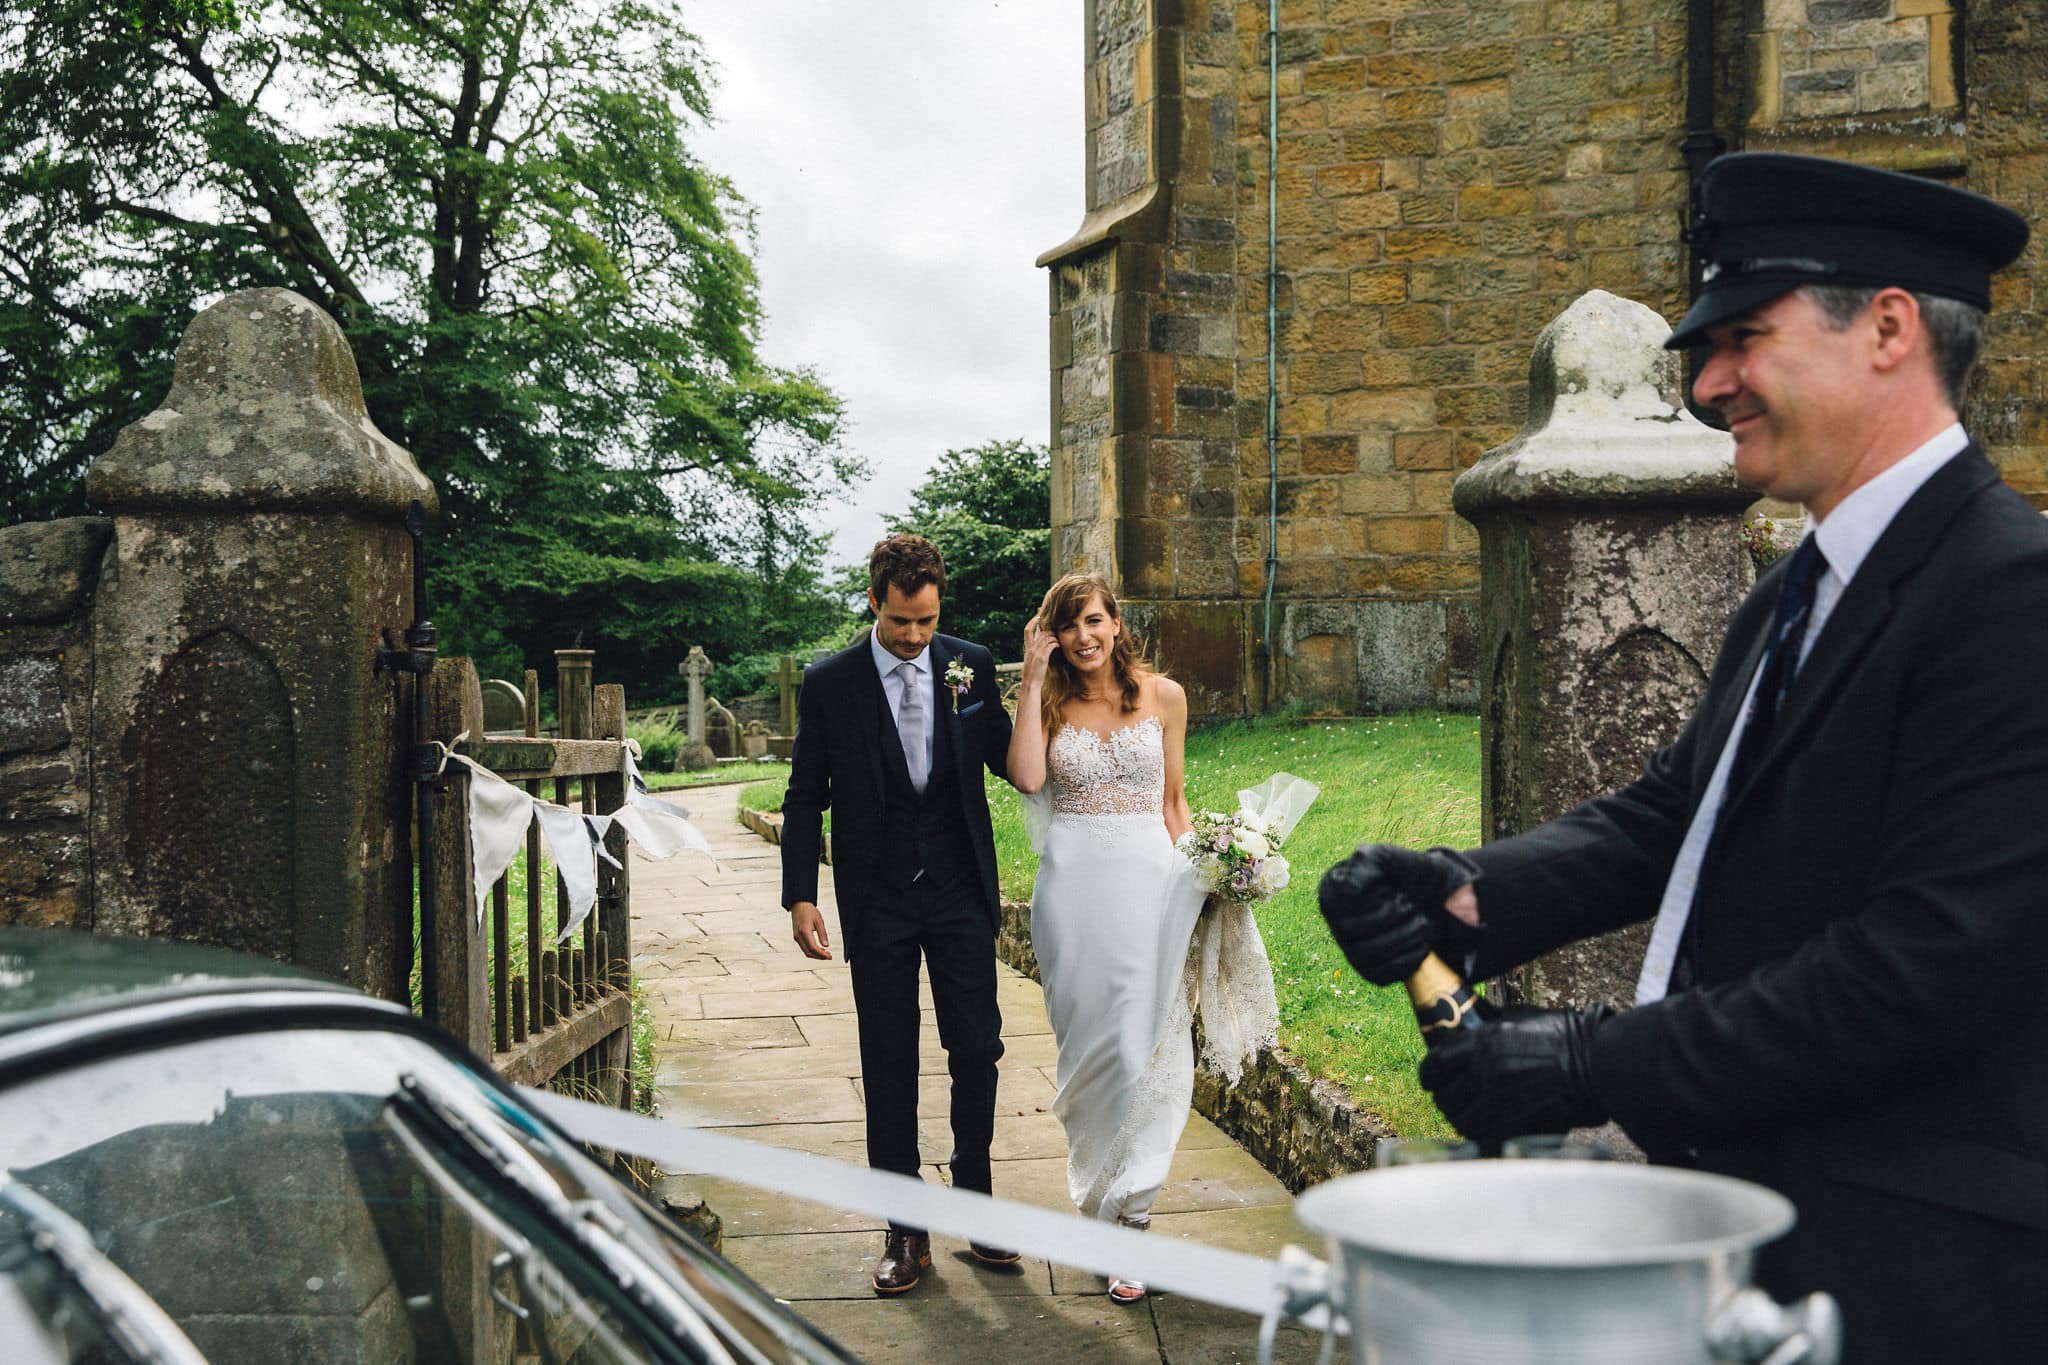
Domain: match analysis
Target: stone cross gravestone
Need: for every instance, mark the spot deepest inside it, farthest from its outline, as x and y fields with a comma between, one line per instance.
x=694, y=753
x=788, y=678
x=696, y=668
x=504, y=708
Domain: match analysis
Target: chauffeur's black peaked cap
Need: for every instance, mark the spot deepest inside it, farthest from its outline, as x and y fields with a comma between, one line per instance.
x=1772, y=222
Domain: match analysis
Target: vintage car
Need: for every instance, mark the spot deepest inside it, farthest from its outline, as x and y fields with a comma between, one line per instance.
x=207, y=1156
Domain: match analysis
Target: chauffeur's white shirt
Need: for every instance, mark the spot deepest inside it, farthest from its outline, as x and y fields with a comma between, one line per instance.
x=1846, y=537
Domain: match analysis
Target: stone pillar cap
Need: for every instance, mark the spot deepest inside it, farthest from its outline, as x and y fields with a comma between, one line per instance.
x=1607, y=421
x=265, y=412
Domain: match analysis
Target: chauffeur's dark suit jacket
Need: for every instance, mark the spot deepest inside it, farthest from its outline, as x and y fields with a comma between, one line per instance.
x=1870, y=1031
x=848, y=756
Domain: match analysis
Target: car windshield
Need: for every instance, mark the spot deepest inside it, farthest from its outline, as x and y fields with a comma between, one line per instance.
x=288, y=1196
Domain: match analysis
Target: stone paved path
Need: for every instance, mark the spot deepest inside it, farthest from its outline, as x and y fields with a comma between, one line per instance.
x=754, y=1037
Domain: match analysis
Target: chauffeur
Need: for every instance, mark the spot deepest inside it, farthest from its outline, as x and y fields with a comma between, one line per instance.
x=1846, y=848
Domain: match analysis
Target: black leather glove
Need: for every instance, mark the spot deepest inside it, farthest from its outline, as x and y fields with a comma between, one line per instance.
x=1385, y=907
x=1528, y=1071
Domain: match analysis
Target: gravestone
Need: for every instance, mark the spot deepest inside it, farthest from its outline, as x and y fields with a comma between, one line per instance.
x=1610, y=561
x=721, y=731
x=694, y=753
x=788, y=681
x=695, y=669
x=754, y=741
x=504, y=708
x=247, y=778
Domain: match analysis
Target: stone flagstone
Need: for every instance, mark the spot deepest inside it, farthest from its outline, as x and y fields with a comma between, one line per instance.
x=760, y=1042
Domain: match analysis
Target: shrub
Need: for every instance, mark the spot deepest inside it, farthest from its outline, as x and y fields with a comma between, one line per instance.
x=661, y=738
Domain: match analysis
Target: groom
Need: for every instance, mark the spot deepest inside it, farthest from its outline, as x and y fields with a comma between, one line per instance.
x=895, y=747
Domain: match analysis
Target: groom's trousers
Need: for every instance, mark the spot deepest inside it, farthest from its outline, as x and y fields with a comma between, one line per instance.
x=941, y=920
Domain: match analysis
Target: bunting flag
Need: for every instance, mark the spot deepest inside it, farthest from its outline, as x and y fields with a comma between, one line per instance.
x=501, y=813
x=498, y=816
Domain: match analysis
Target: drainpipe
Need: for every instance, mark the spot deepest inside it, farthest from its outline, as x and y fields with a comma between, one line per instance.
x=1272, y=322
x=1702, y=144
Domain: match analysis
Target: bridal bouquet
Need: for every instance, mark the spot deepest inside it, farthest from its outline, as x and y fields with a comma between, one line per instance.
x=1237, y=855
x=1236, y=859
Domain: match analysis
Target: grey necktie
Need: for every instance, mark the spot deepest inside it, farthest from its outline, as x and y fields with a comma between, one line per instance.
x=910, y=726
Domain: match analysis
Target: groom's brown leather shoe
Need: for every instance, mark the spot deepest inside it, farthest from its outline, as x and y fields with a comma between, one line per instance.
x=905, y=1258
x=989, y=1255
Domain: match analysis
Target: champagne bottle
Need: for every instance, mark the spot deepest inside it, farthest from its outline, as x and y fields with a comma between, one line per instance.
x=1443, y=1002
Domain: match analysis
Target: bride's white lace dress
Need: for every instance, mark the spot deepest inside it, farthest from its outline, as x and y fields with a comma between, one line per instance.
x=1112, y=915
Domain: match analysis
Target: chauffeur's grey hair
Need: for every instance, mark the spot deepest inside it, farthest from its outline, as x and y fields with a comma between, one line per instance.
x=1955, y=330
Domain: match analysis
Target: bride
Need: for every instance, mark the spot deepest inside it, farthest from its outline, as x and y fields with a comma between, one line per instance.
x=1116, y=904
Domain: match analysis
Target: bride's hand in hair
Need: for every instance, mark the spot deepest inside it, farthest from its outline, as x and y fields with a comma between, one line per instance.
x=1039, y=645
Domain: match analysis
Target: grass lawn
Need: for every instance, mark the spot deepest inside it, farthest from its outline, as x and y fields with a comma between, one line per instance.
x=1411, y=779
x=516, y=876
x=718, y=776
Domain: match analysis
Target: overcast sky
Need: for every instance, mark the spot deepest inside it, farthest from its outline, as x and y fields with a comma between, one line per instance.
x=907, y=160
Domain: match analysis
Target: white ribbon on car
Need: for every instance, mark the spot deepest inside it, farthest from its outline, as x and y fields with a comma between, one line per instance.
x=1270, y=1289
x=500, y=813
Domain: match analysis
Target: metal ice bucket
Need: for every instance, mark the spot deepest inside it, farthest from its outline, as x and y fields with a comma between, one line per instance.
x=1571, y=1262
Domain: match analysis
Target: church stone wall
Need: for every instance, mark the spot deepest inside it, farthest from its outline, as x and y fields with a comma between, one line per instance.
x=1450, y=177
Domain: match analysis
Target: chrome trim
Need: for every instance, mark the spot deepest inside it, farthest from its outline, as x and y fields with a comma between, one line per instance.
x=136, y=1322
x=262, y=1008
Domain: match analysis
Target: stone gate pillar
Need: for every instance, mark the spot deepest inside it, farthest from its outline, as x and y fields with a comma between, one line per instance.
x=247, y=786
x=1610, y=562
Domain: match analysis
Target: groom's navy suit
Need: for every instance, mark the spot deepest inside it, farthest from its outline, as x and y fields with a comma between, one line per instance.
x=916, y=876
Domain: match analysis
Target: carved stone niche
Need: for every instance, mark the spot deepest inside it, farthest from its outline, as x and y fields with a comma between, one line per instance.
x=1610, y=561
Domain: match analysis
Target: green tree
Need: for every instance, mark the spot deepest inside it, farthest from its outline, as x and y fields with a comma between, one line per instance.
x=549, y=298
x=989, y=510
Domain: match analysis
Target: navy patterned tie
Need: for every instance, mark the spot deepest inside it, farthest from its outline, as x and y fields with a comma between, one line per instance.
x=1781, y=664
x=1773, y=685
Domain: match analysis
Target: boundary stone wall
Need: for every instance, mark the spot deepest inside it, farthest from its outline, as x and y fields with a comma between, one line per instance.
x=49, y=575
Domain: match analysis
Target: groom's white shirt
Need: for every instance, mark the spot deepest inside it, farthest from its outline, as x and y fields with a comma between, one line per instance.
x=886, y=664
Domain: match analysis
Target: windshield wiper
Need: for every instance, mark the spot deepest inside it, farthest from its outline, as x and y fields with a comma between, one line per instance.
x=465, y=1119
x=130, y=1317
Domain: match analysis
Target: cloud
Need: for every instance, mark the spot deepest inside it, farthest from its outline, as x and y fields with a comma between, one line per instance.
x=906, y=162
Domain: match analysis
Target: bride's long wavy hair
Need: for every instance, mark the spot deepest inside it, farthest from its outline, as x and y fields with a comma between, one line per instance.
x=1063, y=605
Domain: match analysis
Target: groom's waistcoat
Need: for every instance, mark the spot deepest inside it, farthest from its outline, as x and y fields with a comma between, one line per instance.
x=927, y=832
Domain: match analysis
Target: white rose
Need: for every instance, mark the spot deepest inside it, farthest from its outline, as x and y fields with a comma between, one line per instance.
x=1273, y=876
x=1251, y=819
x=1252, y=845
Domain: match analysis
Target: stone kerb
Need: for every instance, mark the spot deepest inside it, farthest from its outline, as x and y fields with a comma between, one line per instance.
x=246, y=785
x=1610, y=561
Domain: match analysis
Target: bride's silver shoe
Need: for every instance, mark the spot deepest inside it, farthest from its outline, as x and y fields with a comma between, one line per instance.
x=1123, y=1291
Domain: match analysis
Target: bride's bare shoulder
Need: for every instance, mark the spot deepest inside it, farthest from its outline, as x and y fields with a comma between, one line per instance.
x=1162, y=695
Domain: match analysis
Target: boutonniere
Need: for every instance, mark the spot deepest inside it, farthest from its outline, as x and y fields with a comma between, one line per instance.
x=960, y=678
